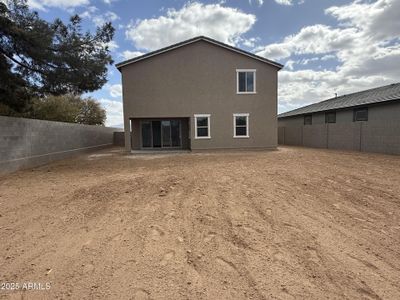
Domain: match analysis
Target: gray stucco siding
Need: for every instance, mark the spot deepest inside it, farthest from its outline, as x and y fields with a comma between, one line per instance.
x=200, y=78
x=381, y=133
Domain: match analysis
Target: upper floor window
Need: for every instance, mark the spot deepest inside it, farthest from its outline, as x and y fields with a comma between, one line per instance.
x=246, y=81
x=240, y=125
x=360, y=114
x=330, y=117
x=202, y=126
x=308, y=120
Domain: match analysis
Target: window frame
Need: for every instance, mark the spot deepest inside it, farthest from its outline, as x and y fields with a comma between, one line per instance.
x=304, y=119
x=208, y=116
x=326, y=117
x=247, y=115
x=254, y=71
x=355, y=110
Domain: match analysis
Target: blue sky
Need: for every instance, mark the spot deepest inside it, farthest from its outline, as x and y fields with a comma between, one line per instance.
x=328, y=47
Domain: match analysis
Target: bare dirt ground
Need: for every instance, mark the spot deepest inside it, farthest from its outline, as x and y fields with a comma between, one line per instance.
x=288, y=224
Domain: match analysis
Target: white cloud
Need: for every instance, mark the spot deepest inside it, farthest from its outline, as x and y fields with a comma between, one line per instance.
x=131, y=54
x=378, y=20
x=115, y=90
x=328, y=57
x=315, y=39
x=112, y=45
x=365, y=48
x=42, y=4
x=250, y=42
x=259, y=2
x=90, y=10
x=225, y=24
x=99, y=19
x=306, y=61
x=114, y=112
x=108, y=16
x=289, y=64
x=284, y=2
x=274, y=51
x=109, y=1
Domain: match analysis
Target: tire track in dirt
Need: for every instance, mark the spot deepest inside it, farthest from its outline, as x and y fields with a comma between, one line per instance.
x=293, y=223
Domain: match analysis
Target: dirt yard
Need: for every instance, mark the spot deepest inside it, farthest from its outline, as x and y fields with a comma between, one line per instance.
x=288, y=224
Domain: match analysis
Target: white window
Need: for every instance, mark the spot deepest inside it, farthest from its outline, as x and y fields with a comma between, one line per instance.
x=246, y=81
x=240, y=125
x=202, y=126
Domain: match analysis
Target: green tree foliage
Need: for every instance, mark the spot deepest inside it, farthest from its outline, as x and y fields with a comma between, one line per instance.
x=56, y=108
x=91, y=113
x=14, y=94
x=68, y=108
x=39, y=58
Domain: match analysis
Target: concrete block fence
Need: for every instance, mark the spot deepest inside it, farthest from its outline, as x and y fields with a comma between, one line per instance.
x=26, y=143
x=372, y=136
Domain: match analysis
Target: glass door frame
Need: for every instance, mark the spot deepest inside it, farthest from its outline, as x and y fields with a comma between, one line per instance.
x=151, y=138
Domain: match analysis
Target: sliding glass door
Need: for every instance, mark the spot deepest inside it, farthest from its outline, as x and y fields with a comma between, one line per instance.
x=156, y=131
x=161, y=134
x=166, y=133
x=146, y=135
x=176, y=133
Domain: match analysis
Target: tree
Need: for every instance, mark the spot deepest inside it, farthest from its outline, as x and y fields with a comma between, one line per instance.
x=68, y=108
x=64, y=108
x=14, y=95
x=38, y=57
x=91, y=113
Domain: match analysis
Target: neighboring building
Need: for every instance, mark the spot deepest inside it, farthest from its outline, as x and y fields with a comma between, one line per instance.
x=199, y=94
x=365, y=121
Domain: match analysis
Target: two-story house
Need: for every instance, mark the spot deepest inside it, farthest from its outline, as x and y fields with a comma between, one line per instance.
x=199, y=94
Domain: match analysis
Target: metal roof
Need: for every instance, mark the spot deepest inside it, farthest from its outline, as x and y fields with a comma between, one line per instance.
x=377, y=95
x=193, y=40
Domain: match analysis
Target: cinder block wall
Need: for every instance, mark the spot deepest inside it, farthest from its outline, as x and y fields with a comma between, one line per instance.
x=119, y=138
x=26, y=143
x=381, y=133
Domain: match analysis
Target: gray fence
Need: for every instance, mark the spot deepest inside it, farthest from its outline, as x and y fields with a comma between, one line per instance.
x=372, y=136
x=119, y=138
x=26, y=143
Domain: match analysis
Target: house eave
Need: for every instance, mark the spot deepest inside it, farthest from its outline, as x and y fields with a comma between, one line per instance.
x=193, y=40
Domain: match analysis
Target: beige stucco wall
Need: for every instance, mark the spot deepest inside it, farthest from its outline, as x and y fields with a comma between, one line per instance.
x=200, y=78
